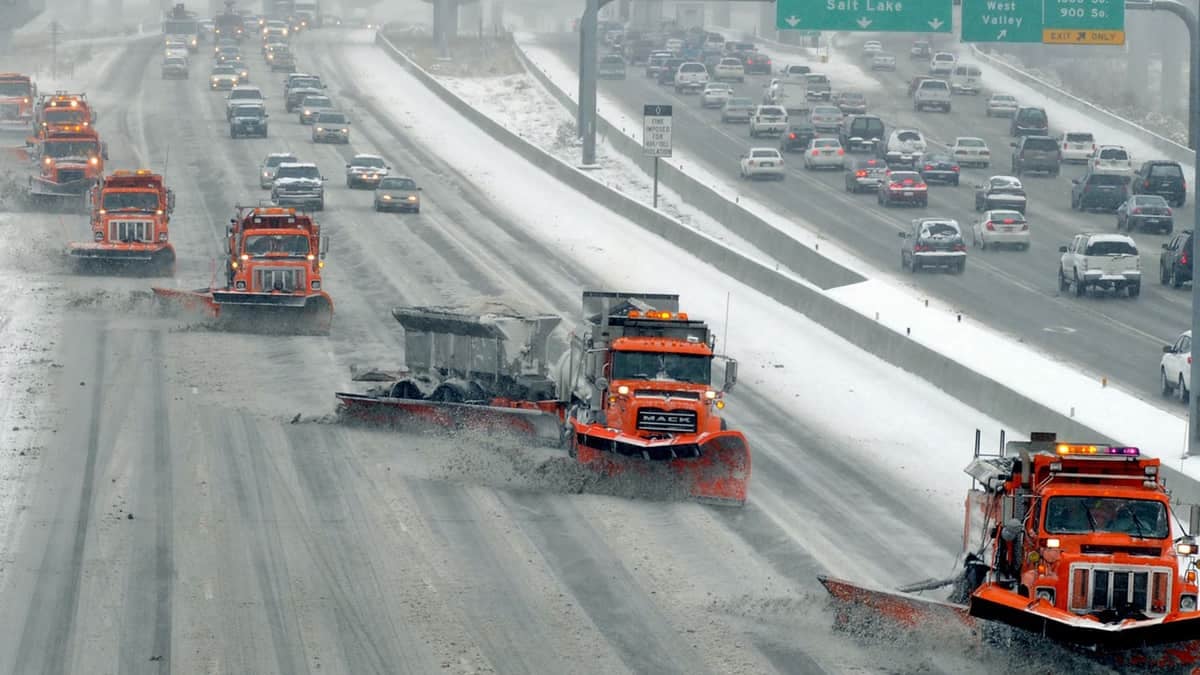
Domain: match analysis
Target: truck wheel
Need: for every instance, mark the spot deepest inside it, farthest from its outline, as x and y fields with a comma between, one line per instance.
x=1134, y=290
x=1079, y=286
x=1164, y=384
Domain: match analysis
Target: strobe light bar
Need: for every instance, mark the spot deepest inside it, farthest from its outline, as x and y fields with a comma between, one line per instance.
x=1096, y=450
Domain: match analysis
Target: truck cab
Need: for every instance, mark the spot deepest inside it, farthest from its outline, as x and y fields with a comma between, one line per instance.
x=275, y=251
x=60, y=112
x=131, y=214
x=17, y=94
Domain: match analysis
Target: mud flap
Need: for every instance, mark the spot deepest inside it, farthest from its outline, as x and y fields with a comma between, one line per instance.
x=423, y=415
x=715, y=468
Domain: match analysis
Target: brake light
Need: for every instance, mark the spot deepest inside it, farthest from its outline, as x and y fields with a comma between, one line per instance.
x=1065, y=147
x=1024, y=227
x=792, y=136
x=928, y=167
x=920, y=186
x=1137, y=210
x=1183, y=259
x=960, y=247
x=816, y=152
x=908, y=181
x=1009, y=221
x=956, y=168
x=1145, y=183
x=991, y=226
x=841, y=151
x=1170, y=212
x=860, y=174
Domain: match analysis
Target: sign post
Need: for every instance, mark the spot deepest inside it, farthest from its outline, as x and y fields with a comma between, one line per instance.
x=1052, y=22
x=656, y=136
x=903, y=16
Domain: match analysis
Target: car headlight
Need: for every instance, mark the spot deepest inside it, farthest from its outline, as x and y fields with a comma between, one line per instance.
x=307, y=112
x=387, y=198
x=344, y=131
x=319, y=130
x=412, y=198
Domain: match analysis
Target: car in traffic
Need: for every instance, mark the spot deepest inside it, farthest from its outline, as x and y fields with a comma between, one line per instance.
x=795, y=71
x=690, y=77
x=864, y=174
x=1001, y=227
x=818, y=86
x=905, y=148
x=1175, y=368
x=942, y=64
x=971, y=151
x=248, y=119
x=797, y=137
x=331, y=127
x=656, y=62
x=851, y=102
x=933, y=242
x=610, y=67
x=756, y=63
x=1111, y=159
x=871, y=47
x=932, y=93
x=1161, y=177
x=666, y=75
x=728, y=69
x=296, y=95
x=1001, y=105
x=824, y=153
x=862, y=132
x=770, y=120
x=883, y=61
x=299, y=184
x=715, y=94
x=1001, y=192
x=921, y=49
x=365, y=171
x=313, y=105
x=1077, y=146
x=1035, y=153
x=1029, y=121
x=223, y=77
x=1099, y=191
x=175, y=68
x=902, y=187
x=1175, y=262
x=826, y=118
x=737, y=109
x=266, y=170
x=1145, y=212
x=1100, y=262
x=762, y=163
x=242, y=94
x=398, y=193
x=966, y=79
x=939, y=167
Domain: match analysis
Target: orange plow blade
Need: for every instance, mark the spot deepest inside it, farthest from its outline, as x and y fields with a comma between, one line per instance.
x=715, y=467
x=256, y=312
x=198, y=301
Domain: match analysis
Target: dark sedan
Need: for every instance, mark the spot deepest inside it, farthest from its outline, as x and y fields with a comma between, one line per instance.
x=756, y=63
x=903, y=187
x=865, y=174
x=1146, y=212
x=797, y=137
x=939, y=168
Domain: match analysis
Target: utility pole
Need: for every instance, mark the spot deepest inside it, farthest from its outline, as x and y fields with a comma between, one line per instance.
x=55, y=29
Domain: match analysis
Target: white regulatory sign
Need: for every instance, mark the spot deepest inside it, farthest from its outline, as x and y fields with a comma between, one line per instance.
x=656, y=130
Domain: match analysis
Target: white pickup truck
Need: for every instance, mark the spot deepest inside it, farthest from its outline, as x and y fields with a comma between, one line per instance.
x=768, y=119
x=1108, y=261
x=932, y=94
x=691, y=76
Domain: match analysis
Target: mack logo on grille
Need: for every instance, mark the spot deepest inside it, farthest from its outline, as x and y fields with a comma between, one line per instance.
x=666, y=420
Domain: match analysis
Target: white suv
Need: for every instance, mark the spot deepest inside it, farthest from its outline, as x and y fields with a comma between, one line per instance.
x=1077, y=146
x=768, y=119
x=932, y=94
x=1175, y=368
x=942, y=63
x=1108, y=261
x=691, y=76
x=1112, y=159
x=730, y=68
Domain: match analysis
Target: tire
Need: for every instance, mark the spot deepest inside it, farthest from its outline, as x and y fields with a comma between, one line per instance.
x=914, y=266
x=955, y=183
x=960, y=267
x=1164, y=277
x=1181, y=391
x=1133, y=290
x=1080, y=289
x=1176, y=282
x=1164, y=385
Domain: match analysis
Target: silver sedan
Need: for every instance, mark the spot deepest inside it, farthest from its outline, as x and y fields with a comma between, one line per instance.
x=825, y=153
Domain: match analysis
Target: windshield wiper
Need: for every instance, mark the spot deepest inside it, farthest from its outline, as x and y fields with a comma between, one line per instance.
x=1137, y=522
x=1088, y=512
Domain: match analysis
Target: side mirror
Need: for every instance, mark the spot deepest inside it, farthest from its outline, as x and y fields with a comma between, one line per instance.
x=1194, y=521
x=1062, y=249
x=266, y=115
x=1168, y=349
x=420, y=189
x=347, y=166
x=323, y=178
x=104, y=150
x=1012, y=145
x=95, y=115
x=1075, y=181
x=324, y=244
x=731, y=368
x=902, y=235
x=388, y=167
x=170, y=201
x=1166, y=246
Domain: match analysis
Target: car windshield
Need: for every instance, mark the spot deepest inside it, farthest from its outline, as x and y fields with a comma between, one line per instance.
x=332, y=118
x=274, y=160
x=771, y=110
x=939, y=230
x=317, y=102
x=140, y=201
x=1149, y=200
x=397, y=184
x=224, y=70
x=1004, y=185
x=1166, y=170
x=58, y=149
x=298, y=172
x=731, y=62
x=1111, y=247
x=825, y=143
x=248, y=111
x=905, y=177
x=613, y=60
x=1079, y=138
x=693, y=368
x=852, y=96
x=971, y=143
x=826, y=111
x=64, y=116
x=1108, y=179
x=940, y=159
x=245, y=93
x=1142, y=518
x=290, y=245
x=1033, y=117
x=933, y=84
x=1113, y=153
x=908, y=136
x=370, y=162
x=1041, y=144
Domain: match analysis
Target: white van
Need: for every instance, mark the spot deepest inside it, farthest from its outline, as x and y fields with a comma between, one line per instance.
x=966, y=79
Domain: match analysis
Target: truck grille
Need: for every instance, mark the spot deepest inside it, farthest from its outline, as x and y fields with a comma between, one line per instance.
x=288, y=279
x=653, y=419
x=131, y=230
x=70, y=175
x=1121, y=589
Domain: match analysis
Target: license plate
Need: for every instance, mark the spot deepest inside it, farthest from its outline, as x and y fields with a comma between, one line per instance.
x=908, y=193
x=1152, y=221
x=766, y=164
x=827, y=153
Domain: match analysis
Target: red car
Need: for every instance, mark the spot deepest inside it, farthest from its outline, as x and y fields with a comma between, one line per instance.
x=903, y=187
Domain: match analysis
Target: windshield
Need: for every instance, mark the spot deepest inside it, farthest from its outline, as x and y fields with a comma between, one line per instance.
x=65, y=116
x=224, y=70
x=1033, y=117
x=276, y=161
x=693, y=368
x=1111, y=248
x=331, y=118
x=59, y=149
x=372, y=162
x=13, y=89
x=908, y=136
x=246, y=93
x=316, y=102
x=397, y=184
x=1135, y=517
x=298, y=172
x=1171, y=170
x=142, y=201
x=736, y=101
x=248, y=111
x=1005, y=185
x=291, y=245
x=1113, y=153
x=970, y=143
x=939, y=230
x=1079, y=138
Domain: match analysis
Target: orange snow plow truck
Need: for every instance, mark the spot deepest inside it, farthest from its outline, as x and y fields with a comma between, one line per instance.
x=131, y=211
x=17, y=93
x=61, y=112
x=71, y=162
x=632, y=391
x=1075, y=542
x=272, y=275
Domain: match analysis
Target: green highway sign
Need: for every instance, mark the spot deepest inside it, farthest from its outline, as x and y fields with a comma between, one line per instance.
x=893, y=16
x=1002, y=20
x=1087, y=22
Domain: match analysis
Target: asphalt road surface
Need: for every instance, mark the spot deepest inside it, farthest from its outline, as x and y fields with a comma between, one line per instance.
x=172, y=514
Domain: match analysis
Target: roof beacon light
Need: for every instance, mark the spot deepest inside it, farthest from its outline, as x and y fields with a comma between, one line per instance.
x=1071, y=449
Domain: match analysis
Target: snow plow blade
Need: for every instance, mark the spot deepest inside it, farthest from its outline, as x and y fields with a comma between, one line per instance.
x=904, y=610
x=714, y=466
x=423, y=415
x=994, y=604
x=273, y=313
x=159, y=259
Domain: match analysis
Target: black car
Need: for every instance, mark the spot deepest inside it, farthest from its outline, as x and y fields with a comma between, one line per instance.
x=1163, y=178
x=1101, y=191
x=667, y=74
x=861, y=132
x=939, y=168
x=1146, y=212
x=1001, y=192
x=797, y=136
x=1175, y=264
x=1029, y=121
x=756, y=63
x=248, y=120
x=902, y=187
x=865, y=174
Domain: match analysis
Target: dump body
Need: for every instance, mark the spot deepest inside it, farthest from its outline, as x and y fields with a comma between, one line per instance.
x=17, y=95
x=131, y=213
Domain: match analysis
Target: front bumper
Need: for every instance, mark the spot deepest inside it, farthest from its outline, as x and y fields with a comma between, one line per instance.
x=884, y=66
x=398, y=204
x=330, y=136
x=221, y=85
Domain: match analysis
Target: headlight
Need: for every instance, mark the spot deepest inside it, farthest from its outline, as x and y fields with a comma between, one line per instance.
x=412, y=198
x=266, y=174
x=94, y=161
x=387, y=198
x=1185, y=548
x=162, y=236
x=623, y=390
x=319, y=130
x=307, y=112
x=710, y=394
x=1046, y=594
x=1187, y=603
